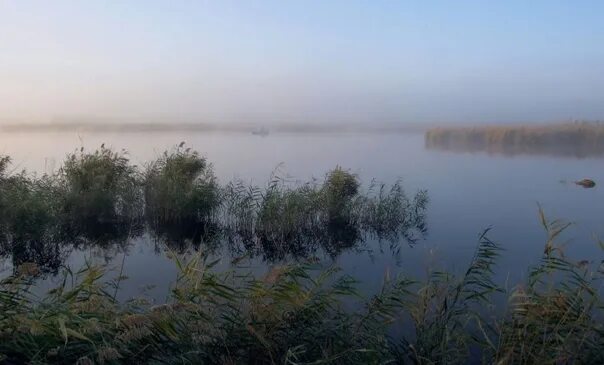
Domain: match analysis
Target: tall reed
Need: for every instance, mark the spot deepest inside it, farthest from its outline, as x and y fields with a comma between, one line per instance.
x=296, y=219
x=180, y=185
x=101, y=186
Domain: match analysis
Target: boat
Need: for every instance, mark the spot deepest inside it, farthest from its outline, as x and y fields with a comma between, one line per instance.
x=260, y=132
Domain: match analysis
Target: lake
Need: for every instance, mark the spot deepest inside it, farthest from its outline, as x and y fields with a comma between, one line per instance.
x=468, y=193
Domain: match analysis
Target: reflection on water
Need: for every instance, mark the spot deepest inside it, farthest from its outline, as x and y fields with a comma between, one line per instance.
x=50, y=246
x=50, y=249
x=568, y=151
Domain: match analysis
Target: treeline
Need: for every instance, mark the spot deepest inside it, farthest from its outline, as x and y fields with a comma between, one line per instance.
x=580, y=139
x=100, y=197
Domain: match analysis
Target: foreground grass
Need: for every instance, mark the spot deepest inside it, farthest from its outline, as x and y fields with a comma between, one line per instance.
x=299, y=314
x=579, y=139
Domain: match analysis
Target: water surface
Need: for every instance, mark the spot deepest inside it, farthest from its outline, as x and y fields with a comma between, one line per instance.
x=468, y=193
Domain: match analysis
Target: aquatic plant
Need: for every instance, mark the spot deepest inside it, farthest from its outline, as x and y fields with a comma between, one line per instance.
x=305, y=314
x=29, y=208
x=292, y=218
x=388, y=212
x=95, y=197
x=180, y=186
x=282, y=219
x=287, y=214
x=339, y=190
x=99, y=187
x=28, y=205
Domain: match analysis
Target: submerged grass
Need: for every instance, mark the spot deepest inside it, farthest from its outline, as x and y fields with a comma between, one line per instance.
x=299, y=314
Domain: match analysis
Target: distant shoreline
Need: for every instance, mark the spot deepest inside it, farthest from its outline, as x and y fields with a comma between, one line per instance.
x=206, y=127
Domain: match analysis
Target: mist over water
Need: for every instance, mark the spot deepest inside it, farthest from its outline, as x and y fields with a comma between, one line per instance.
x=301, y=182
x=288, y=63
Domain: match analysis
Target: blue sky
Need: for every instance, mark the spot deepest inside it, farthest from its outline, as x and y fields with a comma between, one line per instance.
x=299, y=61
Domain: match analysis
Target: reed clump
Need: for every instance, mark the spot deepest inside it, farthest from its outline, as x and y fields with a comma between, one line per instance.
x=99, y=187
x=297, y=219
x=180, y=186
x=339, y=190
x=28, y=219
x=94, y=197
x=287, y=214
x=305, y=314
x=28, y=204
x=388, y=212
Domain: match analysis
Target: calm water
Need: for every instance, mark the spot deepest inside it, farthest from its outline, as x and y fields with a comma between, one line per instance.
x=468, y=193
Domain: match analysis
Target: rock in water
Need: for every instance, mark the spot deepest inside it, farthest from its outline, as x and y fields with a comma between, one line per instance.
x=586, y=183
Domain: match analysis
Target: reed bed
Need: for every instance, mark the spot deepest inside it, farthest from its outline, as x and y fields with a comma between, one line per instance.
x=332, y=215
x=300, y=314
x=579, y=139
x=99, y=198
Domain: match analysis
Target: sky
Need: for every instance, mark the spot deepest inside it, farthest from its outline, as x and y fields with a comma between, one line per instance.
x=302, y=61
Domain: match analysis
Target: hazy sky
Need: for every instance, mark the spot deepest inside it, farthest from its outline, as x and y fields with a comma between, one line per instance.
x=299, y=61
